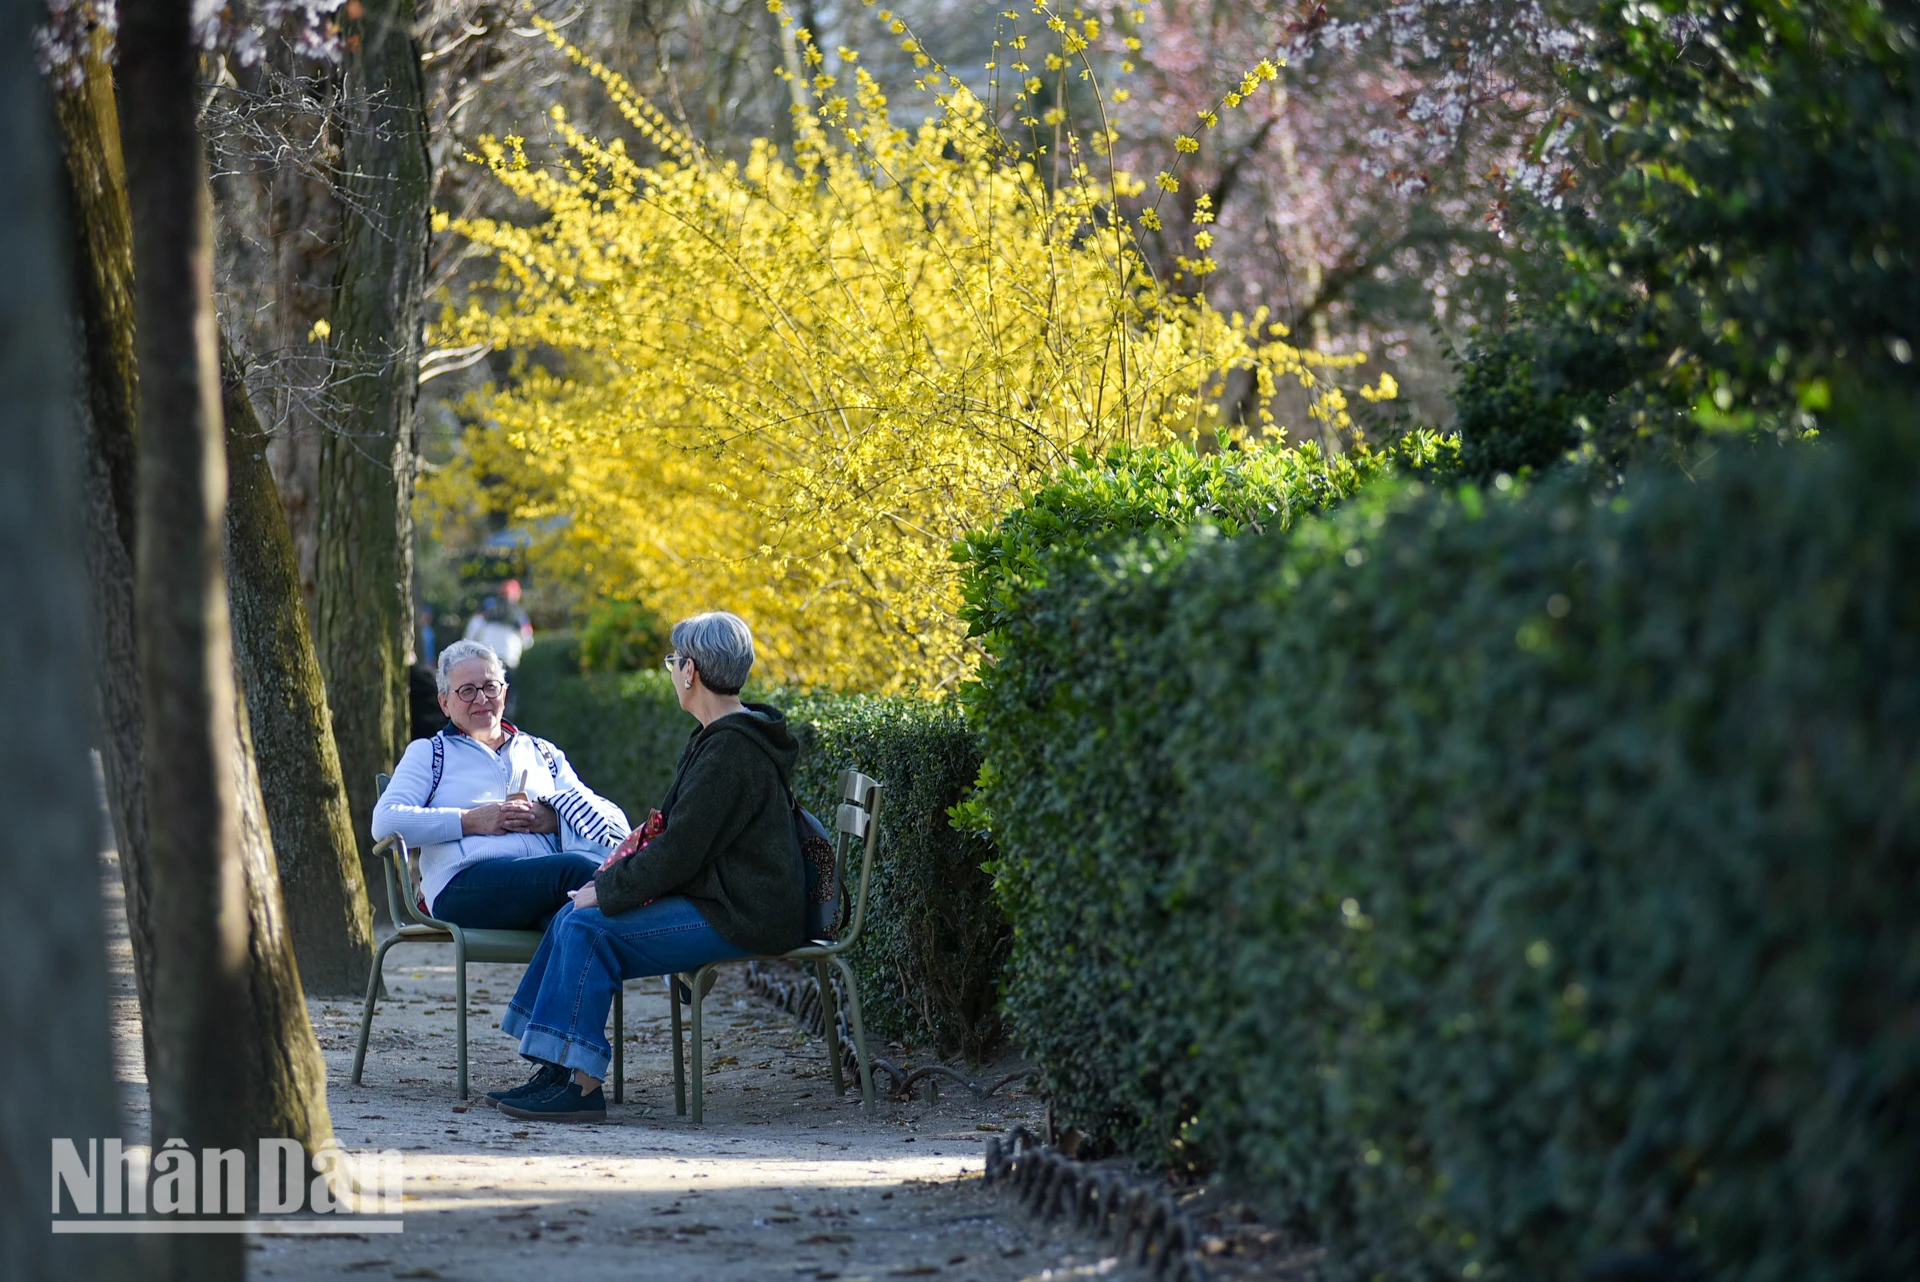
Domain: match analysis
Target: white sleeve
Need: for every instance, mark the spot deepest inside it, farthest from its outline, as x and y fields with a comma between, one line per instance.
x=402, y=807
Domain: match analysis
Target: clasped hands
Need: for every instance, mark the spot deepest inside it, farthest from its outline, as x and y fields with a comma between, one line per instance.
x=497, y=818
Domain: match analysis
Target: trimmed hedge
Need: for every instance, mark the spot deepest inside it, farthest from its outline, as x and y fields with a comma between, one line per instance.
x=1489, y=882
x=929, y=958
x=1098, y=504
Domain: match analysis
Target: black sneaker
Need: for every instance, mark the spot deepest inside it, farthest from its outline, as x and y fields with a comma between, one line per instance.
x=544, y=1079
x=566, y=1103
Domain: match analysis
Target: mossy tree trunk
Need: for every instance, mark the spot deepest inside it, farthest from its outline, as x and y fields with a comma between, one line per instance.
x=234, y=1057
x=57, y=1056
x=302, y=232
x=313, y=842
x=100, y=251
x=366, y=463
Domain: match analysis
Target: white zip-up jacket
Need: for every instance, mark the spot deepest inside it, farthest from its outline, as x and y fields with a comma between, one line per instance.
x=472, y=774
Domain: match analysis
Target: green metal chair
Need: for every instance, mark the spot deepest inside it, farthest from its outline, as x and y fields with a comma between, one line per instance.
x=412, y=925
x=858, y=818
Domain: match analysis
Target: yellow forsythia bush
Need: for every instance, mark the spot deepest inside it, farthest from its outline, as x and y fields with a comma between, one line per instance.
x=786, y=386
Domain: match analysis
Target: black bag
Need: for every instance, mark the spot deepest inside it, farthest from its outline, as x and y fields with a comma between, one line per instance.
x=823, y=895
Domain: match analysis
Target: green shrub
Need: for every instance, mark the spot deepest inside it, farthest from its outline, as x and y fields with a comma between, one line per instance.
x=1531, y=393
x=1098, y=504
x=1488, y=881
x=930, y=956
x=1742, y=245
x=621, y=636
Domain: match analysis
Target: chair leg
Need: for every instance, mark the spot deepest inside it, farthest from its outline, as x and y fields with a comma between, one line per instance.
x=679, y=1060
x=859, y=1033
x=619, y=1044
x=698, y=1051
x=460, y=1008
x=829, y=1009
x=373, y=996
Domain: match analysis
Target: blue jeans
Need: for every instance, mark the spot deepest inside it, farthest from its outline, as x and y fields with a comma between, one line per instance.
x=513, y=892
x=560, y=1012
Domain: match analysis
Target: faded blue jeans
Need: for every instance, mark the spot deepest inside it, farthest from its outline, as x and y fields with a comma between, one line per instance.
x=560, y=1011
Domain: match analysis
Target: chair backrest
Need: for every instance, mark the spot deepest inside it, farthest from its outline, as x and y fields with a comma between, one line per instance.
x=857, y=819
x=403, y=888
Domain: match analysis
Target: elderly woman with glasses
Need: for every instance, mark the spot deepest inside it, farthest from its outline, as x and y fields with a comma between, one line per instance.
x=504, y=827
x=720, y=877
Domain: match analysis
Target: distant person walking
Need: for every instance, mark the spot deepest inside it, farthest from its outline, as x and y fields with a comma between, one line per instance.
x=503, y=627
x=428, y=650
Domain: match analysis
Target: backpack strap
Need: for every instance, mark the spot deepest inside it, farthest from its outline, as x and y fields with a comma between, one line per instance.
x=546, y=754
x=439, y=764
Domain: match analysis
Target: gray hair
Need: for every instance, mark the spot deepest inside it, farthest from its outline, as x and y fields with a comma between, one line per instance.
x=721, y=647
x=459, y=652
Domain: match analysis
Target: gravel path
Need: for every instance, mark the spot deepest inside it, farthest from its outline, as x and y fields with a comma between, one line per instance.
x=785, y=1180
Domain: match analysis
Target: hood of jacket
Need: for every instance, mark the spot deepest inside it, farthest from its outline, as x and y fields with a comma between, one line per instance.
x=763, y=724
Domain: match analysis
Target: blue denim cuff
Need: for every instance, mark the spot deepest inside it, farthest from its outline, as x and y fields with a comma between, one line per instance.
x=557, y=1048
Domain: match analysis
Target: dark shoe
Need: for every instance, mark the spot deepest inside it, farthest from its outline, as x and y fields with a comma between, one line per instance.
x=567, y=1103
x=544, y=1079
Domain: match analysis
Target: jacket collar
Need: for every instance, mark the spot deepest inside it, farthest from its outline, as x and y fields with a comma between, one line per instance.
x=452, y=731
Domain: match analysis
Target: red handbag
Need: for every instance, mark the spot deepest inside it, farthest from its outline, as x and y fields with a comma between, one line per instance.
x=637, y=839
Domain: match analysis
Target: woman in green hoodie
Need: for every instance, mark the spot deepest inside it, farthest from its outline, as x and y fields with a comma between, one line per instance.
x=722, y=879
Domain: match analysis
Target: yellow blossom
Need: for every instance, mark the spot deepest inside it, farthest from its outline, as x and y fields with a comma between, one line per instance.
x=779, y=386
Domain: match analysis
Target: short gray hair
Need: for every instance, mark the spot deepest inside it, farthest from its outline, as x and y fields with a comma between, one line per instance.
x=459, y=652
x=721, y=647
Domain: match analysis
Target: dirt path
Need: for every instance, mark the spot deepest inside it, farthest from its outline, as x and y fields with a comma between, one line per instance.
x=784, y=1181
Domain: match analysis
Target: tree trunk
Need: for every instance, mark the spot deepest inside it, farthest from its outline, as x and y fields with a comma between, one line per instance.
x=100, y=250
x=313, y=844
x=235, y=1059
x=57, y=1057
x=285, y=1074
x=303, y=227
x=366, y=463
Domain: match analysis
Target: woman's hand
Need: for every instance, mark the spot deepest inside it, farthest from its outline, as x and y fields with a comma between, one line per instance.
x=487, y=820
x=529, y=816
x=585, y=897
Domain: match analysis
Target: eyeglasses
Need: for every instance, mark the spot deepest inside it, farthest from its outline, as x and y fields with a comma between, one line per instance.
x=486, y=689
x=673, y=661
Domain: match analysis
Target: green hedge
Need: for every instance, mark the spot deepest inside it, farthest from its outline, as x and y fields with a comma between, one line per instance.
x=930, y=956
x=1490, y=881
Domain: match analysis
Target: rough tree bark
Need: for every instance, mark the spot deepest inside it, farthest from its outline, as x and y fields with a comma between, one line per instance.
x=235, y=1059
x=100, y=250
x=313, y=843
x=303, y=230
x=53, y=982
x=366, y=463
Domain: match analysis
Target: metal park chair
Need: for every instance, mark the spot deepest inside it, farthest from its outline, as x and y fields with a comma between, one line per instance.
x=412, y=925
x=858, y=819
